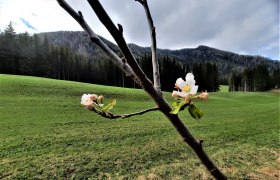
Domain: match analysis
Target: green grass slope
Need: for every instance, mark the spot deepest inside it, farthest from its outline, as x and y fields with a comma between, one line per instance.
x=46, y=134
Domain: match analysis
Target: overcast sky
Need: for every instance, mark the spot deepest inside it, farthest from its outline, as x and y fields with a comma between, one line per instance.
x=241, y=26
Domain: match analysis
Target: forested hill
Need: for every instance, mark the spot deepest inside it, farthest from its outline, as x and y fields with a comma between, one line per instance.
x=227, y=62
x=71, y=56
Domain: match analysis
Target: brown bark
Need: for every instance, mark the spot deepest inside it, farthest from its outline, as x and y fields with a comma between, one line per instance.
x=156, y=73
x=95, y=39
x=110, y=115
x=155, y=94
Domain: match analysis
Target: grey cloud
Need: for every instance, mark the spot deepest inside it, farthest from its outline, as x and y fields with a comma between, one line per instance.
x=235, y=25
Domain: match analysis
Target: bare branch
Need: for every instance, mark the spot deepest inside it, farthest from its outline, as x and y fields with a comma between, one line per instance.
x=140, y=1
x=154, y=93
x=156, y=73
x=110, y=115
x=163, y=106
x=115, y=32
x=95, y=39
x=120, y=28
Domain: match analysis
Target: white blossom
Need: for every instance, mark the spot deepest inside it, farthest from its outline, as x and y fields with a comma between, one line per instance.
x=87, y=100
x=187, y=87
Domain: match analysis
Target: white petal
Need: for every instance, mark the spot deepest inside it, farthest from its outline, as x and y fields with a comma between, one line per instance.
x=182, y=94
x=87, y=102
x=85, y=98
x=190, y=79
x=180, y=83
x=179, y=80
x=194, y=90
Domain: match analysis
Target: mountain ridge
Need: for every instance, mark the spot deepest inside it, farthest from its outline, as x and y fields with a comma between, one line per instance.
x=226, y=61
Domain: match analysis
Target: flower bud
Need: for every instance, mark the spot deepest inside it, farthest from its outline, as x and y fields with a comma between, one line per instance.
x=203, y=95
x=175, y=94
x=93, y=97
x=100, y=98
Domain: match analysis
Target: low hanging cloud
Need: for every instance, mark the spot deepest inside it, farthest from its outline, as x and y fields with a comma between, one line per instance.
x=249, y=27
x=27, y=24
x=244, y=27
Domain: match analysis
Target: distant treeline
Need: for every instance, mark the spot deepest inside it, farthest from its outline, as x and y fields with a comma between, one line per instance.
x=26, y=54
x=254, y=79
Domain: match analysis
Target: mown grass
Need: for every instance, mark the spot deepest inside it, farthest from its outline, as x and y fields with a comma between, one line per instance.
x=224, y=88
x=46, y=134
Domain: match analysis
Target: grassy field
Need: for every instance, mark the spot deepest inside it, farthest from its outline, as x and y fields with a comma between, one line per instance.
x=224, y=88
x=46, y=134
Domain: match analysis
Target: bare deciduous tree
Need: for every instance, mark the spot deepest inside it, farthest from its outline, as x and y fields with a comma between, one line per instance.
x=132, y=69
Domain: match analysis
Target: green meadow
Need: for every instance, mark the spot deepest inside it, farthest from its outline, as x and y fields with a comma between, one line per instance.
x=45, y=133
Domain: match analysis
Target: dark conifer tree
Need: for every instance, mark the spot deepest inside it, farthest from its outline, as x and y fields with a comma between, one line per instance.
x=199, y=73
x=8, y=54
x=276, y=78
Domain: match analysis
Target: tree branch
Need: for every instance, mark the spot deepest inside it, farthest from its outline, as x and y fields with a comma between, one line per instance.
x=156, y=95
x=118, y=36
x=110, y=115
x=95, y=39
x=156, y=73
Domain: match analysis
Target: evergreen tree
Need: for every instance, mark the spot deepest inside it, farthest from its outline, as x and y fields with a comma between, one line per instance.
x=9, y=33
x=215, y=80
x=208, y=77
x=39, y=65
x=24, y=44
x=199, y=73
x=252, y=79
x=48, y=63
x=261, y=78
x=276, y=79
x=8, y=54
x=231, y=83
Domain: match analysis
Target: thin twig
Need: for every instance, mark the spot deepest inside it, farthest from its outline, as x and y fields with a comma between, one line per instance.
x=156, y=73
x=110, y=115
x=95, y=39
x=163, y=106
x=118, y=36
x=153, y=92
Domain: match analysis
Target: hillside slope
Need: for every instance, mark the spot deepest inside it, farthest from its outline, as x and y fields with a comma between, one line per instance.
x=46, y=134
x=226, y=61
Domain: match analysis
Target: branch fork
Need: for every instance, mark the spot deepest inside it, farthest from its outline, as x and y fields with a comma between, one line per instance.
x=133, y=70
x=156, y=74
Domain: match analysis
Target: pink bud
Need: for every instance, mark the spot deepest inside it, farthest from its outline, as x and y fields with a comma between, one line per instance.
x=93, y=97
x=100, y=98
x=203, y=95
x=175, y=94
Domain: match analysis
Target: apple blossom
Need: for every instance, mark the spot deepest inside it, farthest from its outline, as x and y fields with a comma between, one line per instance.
x=186, y=87
x=87, y=100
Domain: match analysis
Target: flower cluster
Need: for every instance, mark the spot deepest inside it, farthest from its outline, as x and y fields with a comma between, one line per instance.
x=90, y=101
x=94, y=103
x=186, y=91
x=187, y=87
